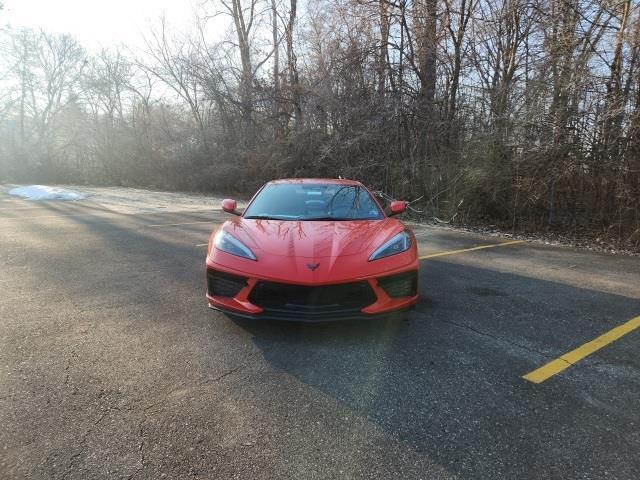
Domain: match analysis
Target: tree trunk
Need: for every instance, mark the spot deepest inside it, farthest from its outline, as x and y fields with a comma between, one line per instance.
x=277, y=129
x=294, y=81
x=383, y=14
x=246, y=79
x=425, y=18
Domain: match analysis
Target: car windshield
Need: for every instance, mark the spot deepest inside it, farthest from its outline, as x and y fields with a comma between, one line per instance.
x=316, y=201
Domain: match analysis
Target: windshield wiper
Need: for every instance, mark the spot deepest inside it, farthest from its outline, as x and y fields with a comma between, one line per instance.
x=326, y=219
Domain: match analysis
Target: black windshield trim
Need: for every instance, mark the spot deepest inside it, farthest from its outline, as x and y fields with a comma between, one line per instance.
x=270, y=217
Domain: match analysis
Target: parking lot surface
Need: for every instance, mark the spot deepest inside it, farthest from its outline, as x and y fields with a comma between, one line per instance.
x=112, y=366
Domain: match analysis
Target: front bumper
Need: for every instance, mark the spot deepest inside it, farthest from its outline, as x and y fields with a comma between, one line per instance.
x=307, y=318
x=368, y=298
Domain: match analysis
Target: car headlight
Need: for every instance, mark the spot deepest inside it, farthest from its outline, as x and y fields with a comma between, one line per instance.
x=228, y=243
x=397, y=244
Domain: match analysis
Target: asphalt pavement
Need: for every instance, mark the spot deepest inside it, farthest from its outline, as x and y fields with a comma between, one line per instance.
x=112, y=365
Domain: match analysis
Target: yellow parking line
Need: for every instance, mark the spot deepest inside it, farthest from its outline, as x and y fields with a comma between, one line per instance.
x=176, y=224
x=574, y=356
x=202, y=245
x=463, y=250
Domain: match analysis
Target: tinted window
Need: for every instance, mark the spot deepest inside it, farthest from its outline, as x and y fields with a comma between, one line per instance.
x=319, y=201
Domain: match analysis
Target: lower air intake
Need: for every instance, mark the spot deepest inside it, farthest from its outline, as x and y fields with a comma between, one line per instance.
x=344, y=296
x=222, y=284
x=401, y=285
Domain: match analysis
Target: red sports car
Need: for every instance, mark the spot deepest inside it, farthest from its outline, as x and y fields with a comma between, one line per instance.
x=312, y=250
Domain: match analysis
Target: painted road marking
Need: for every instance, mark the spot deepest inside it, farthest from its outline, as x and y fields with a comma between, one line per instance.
x=463, y=250
x=110, y=213
x=20, y=208
x=176, y=224
x=574, y=356
x=49, y=216
x=440, y=254
x=43, y=205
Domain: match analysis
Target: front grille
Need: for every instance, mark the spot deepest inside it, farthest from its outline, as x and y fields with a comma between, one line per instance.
x=323, y=298
x=221, y=284
x=401, y=285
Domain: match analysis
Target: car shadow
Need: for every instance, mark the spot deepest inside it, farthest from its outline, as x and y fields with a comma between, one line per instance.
x=448, y=381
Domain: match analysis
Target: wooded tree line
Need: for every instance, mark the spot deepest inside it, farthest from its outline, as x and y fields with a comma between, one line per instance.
x=520, y=113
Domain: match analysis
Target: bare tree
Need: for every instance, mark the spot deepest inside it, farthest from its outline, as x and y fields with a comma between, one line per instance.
x=275, y=37
x=521, y=113
x=173, y=60
x=244, y=15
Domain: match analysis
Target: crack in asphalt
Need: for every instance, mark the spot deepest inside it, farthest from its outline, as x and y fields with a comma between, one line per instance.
x=66, y=369
x=580, y=364
x=220, y=377
x=497, y=338
x=83, y=443
x=141, y=446
x=90, y=430
x=148, y=408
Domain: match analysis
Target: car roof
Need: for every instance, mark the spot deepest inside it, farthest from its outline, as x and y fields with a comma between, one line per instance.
x=311, y=181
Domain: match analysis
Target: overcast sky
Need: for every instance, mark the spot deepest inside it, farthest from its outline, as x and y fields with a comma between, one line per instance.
x=96, y=23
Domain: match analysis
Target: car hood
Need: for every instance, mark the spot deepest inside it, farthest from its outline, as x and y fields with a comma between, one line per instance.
x=313, y=239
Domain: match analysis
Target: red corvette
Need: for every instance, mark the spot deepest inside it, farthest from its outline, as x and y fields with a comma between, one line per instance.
x=312, y=250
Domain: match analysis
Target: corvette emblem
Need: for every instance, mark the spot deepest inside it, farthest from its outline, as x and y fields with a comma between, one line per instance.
x=312, y=266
